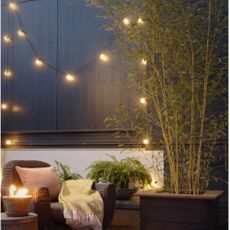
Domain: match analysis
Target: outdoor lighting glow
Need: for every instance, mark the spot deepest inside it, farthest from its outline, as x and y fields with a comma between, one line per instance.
x=104, y=57
x=145, y=141
x=126, y=21
x=69, y=77
x=13, y=6
x=21, y=192
x=12, y=190
x=143, y=101
x=143, y=61
x=38, y=62
x=140, y=21
x=7, y=73
x=9, y=142
x=4, y=106
x=7, y=38
x=22, y=33
x=16, y=109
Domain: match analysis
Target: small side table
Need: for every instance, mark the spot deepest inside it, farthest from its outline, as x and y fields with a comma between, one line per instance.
x=19, y=223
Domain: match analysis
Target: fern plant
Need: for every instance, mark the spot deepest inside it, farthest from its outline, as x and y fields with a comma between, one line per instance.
x=64, y=172
x=120, y=173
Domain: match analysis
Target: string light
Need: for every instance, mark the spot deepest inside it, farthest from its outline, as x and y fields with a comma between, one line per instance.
x=7, y=73
x=22, y=33
x=9, y=142
x=145, y=141
x=126, y=21
x=7, y=38
x=4, y=106
x=13, y=6
x=38, y=62
x=104, y=57
x=143, y=101
x=140, y=21
x=69, y=77
x=143, y=61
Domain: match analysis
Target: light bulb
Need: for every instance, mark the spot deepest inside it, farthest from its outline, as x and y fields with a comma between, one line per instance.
x=140, y=21
x=126, y=21
x=104, y=57
x=22, y=33
x=7, y=73
x=145, y=141
x=4, y=106
x=7, y=38
x=9, y=142
x=143, y=101
x=38, y=62
x=69, y=77
x=13, y=6
x=143, y=61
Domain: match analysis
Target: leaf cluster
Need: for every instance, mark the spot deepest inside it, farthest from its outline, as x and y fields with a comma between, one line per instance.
x=119, y=172
x=64, y=172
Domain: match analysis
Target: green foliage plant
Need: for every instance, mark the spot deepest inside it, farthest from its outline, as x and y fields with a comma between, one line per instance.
x=64, y=172
x=184, y=47
x=119, y=172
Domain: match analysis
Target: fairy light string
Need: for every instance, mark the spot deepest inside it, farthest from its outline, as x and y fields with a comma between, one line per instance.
x=41, y=62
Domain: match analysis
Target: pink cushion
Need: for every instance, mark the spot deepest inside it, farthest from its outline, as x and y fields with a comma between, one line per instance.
x=36, y=177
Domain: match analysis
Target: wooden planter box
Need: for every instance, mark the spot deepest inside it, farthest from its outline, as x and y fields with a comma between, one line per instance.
x=164, y=211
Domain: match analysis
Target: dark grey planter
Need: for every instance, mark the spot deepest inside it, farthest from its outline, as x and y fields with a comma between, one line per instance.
x=164, y=211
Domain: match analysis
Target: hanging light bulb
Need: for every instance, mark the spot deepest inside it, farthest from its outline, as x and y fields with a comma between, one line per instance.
x=4, y=106
x=39, y=62
x=69, y=77
x=7, y=73
x=143, y=101
x=140, y=21
x=104, y=57
x=7, y=38
x=126, y=21
x=143, y=61
x=145, y=141
x=22, y=33
x=13, y=6
x=9, y=142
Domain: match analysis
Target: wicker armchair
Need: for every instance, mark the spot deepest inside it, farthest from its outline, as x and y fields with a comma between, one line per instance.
x=50, y=214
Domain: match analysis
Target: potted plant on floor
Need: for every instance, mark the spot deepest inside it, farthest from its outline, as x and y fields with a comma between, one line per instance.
x=176, y=56
x=121, y=173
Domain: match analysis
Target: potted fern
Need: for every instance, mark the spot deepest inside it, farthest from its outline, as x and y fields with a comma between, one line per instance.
x=121, y=173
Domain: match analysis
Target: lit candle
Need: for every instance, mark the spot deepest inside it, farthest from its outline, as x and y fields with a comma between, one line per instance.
x=17, y=202
x=12, y=190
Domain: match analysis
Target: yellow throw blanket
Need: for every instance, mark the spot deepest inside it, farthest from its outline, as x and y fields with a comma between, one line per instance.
x=83, y=206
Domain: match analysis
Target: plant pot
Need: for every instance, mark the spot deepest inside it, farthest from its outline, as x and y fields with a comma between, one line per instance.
x=16, y=206
x=125, y=193
x=179, y=211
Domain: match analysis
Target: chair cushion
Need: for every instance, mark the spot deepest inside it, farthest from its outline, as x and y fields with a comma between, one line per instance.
x=57, y=212
x=37, y=177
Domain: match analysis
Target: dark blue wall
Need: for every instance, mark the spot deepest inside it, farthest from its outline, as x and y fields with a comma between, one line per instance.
x=69, y=36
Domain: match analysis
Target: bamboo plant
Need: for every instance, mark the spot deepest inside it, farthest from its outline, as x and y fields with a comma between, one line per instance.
x=176, y=56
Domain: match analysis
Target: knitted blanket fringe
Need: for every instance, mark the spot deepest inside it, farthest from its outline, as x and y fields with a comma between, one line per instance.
x=84, y=219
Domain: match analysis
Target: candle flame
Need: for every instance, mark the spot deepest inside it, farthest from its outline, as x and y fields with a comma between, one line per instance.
x=12, y=190
x=21, y=192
